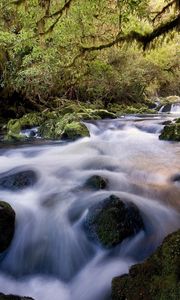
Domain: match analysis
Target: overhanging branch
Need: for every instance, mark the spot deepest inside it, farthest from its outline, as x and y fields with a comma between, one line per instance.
x=144, y=39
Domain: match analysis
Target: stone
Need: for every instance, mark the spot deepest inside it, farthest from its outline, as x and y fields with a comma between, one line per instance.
x=16, y=180
x=157, y=278
x=171, y=132
x=7, y=225
x=111, y=221
x=96, y=182
x=13, y=297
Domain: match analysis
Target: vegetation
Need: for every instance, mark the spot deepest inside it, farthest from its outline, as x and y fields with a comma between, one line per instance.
x=155, y=279
x=171, y=131
x=86, y=50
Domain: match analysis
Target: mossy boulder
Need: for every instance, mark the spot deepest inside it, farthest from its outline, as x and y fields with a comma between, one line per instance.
x=66, y=121
x=75, y=130
x=7, y=225
x=112, y=220
x=15, y=126
x=68, y=126
x=171, y=132
x=158, y=278
x=13, y=297
x=16, y=180
x=96, y=182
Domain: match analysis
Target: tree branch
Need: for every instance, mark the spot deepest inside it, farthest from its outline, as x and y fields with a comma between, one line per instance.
x=160, y=13
x=144, y=39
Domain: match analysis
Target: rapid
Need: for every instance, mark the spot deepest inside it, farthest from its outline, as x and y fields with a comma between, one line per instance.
x=51, y=257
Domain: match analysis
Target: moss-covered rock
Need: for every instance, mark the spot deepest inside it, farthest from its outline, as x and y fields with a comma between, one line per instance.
x=96, y=182
x=7, y=225
x=15, y=126
x=16, y=180
x=158, y=278
x=66, y=120
x=13, y=297
x=111, y=221
x=171, y=132
x=75, y=130
x=67, y=126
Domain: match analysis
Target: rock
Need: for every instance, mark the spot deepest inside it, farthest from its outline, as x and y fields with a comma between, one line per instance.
x=67, y=126
x=171, y=132
x=7, y=225
x=176, y=178
x=96, y=182
x=74, y=131
x=157, y=278
x=15, y=126
x=111, y=221
x=13, y=297
x=14, y=180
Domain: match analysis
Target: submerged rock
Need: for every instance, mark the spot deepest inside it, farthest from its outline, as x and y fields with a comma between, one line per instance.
x=13, y=297
x=111, y=221
x=171, y=132
x=14, y=180
x=7, y=225
x=157, y=278
x=96, y=182
x=176, y=178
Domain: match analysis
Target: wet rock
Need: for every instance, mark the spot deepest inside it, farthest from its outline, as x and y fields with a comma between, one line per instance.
x=171, y=132
x=7, y=225
x=74, y=131
x=96, y=182
x=15, y=126
x=157, y=278
x=166, y=108
x=64, y=127
x=176, y=178
x=14, y=180
x=111, y=221
x=13, y=297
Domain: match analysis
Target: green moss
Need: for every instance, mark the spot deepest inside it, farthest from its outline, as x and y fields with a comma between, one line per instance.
x=111, y=221
x=75, y=130
x=171, y=132
x=119, y=109
x=96, y=182
x=158, y=278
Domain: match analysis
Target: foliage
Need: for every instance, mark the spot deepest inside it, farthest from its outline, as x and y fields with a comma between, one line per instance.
x=49, y=48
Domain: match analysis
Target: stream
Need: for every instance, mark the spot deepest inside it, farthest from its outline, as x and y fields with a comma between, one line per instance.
x=51, y=257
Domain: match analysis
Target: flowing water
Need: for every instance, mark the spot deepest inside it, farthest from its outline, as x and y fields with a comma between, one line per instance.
x=51, y=257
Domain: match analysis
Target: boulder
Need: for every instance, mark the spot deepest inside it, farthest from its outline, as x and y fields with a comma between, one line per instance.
x=112, y=220
x=75, y=130
x=13, y=297
x=157, y=278
x=7, y=225
x=16, y=180
x=176, y=178
x=96, y=182
x=171, y=132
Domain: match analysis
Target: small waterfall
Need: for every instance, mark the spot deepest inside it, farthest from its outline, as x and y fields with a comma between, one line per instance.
x=175, y=108
x=170, y=108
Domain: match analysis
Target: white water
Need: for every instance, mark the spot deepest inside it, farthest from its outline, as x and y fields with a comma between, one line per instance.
x=51, y=257
x=175, y=108
x=171, y=108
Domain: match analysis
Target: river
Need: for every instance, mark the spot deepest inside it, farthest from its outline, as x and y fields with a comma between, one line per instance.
x=51, y=257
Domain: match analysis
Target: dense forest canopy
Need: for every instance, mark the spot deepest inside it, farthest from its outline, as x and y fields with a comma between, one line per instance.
x=88, y=49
